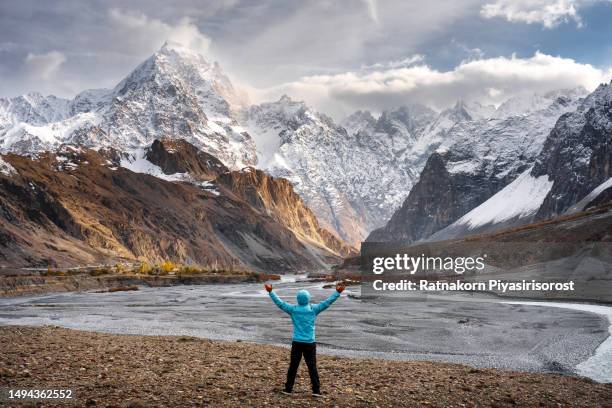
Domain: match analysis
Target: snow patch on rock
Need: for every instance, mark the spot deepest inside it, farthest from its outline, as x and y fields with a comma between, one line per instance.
x=138, y=163
x=6, y=168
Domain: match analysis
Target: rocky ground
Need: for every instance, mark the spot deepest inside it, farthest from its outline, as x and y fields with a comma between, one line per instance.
x=146, y=371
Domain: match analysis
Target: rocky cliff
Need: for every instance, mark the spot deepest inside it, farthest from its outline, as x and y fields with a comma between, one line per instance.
x=275, y=197
x=178, y=156
x=577, y=155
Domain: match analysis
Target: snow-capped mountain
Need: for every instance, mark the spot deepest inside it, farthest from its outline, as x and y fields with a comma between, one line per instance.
x=526, y=103
x=355, y=176
x=175, y=93
x=569, y=174
x=474, y=160
x=34, y=109
x=353, y=180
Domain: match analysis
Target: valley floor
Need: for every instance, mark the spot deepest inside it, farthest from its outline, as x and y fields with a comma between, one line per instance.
x=111, y=370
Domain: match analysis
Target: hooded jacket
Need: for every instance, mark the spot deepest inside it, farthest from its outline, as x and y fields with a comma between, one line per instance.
x=304, y=314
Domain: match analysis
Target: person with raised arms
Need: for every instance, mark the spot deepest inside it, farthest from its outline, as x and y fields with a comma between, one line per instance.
x=303, y=315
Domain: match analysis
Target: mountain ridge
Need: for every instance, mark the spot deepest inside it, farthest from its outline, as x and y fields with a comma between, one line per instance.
x=474, y=161
x=77, y=206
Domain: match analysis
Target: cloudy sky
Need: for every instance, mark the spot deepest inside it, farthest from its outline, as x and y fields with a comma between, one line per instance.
x=337, y=55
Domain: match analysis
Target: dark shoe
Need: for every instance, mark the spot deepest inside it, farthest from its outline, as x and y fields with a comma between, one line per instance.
x=317, y=394
x=287, y=392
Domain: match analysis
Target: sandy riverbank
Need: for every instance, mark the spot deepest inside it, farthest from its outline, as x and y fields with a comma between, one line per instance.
x=38, y=284
x=123, y=370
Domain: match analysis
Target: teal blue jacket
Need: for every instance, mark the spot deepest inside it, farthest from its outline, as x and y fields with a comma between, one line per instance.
x=304, y=314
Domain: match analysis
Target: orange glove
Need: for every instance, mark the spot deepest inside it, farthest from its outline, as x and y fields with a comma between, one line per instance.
x=268, y=287
x=340, y=287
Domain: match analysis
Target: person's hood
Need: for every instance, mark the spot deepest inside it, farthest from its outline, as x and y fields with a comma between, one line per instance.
x=303, y=297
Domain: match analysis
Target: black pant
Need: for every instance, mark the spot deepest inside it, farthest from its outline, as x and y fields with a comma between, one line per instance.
x=309, y=350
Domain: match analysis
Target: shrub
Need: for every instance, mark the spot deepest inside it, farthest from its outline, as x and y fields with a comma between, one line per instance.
x=145, y=268
x=51, y=272
x=167, y=266
x=189, y=270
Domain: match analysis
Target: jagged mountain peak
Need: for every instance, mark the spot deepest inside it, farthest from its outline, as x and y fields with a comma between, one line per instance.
x=474, y=110
x=359, y=115
x=285, y=104
x=573, y=93
x=458, y=113
x=285, y=114
x=527, y=103
x=175, y=93
x=274, y=124
x=602, y=93
x=171, y=46
x=405, y=122
x=352, y=180
x=178, y=68
x=286, y=99
x=33, y=108
x=359, y=121
x=408, y=113
x=577, y=154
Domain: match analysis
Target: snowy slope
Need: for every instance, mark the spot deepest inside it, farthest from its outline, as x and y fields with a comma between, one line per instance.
x=517, y=202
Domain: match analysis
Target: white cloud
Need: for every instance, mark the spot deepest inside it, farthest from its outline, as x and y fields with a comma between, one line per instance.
x=300, y=38
x=491, y=80
x=549, y=13
x=44, y=66
x=137, y=32
x=372, y=6
x=404, y=62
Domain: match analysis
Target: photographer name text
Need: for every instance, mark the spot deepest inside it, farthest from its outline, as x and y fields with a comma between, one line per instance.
x=459, y=285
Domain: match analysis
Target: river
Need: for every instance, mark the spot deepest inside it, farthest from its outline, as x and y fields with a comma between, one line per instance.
x=478, y=330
